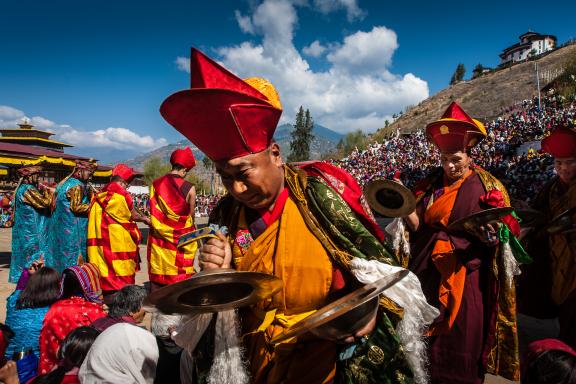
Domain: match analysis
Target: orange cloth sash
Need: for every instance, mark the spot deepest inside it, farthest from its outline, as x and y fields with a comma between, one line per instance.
x=452, y=272
x=289, y=250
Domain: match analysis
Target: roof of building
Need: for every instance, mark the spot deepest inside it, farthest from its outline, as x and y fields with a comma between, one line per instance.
x=32, y=139
x=536, y=35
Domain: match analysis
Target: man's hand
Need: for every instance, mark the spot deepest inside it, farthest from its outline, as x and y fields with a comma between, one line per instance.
x=365, y=331
x=35, y=266
x=487, y=234
x=216, y=253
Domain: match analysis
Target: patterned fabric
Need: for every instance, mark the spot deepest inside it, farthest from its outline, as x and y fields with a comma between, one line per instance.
x=26, y=324
x=28, y=233
x=89, y=278
x=66, y=243
x=113, y=237
x=341, y=230
x=63, y=317
x=171, y=218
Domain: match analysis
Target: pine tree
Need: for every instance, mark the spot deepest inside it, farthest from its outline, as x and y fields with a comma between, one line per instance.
x=458, y=74
x=477, y=71
x=301, y=136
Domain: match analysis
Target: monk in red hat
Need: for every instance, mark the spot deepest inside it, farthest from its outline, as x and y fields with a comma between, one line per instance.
x=113, y=235
x=172, y=205
x=307, y=224
x=462, y=273
x=554, y=268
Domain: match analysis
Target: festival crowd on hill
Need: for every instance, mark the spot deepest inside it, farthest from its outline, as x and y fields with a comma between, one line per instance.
x=522, y=173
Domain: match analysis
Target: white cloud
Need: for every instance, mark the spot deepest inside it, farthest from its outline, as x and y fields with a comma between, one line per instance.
x=366, y=51
x=357, y=91
x=244, y=22
x=315, y=49
x=118, y=138
x=353, y=11
x=183, y=63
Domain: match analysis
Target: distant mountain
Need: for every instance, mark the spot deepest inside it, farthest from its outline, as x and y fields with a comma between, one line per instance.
x=324, y=141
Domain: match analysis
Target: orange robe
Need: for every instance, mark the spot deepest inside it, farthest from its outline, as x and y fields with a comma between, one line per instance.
x=288, y=250
x=171, y=218
x=113, y=237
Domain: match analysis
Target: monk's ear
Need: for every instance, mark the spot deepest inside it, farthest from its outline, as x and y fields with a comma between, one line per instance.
x=275, y=154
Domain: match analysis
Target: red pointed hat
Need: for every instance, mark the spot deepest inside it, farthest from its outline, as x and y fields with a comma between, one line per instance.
x=561, y=143
x=183, y=157
x=455, y=131
x=224, y=116
x=125, y=172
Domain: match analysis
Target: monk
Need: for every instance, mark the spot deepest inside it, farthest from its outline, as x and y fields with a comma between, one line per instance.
x=306, y=224
x=554, y=270
x=172, y=205
x=464, y=274
x=113, y=235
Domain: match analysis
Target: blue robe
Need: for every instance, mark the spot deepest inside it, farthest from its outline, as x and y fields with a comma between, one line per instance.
x=26, y=324
x=67, y=230
x=28, y=234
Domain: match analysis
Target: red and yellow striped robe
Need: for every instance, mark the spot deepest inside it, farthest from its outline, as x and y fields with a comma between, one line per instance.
x=171, y=217
x=113, y=237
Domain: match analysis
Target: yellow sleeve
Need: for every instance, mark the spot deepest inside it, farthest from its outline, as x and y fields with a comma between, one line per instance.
x=37, y=199
x=75, y=195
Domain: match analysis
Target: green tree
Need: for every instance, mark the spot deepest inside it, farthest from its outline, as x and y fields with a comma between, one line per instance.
x=301, y=136
x=200, y=184
x=208, y=164
x=154, y=167
x=477, y=71
x=458, y=74
x=353, y=140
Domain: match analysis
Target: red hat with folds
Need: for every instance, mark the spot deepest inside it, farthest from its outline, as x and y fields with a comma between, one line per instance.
x=183, y=157
x=224, y=116
x=561, y=143
x=455, y=131
x=125, y=172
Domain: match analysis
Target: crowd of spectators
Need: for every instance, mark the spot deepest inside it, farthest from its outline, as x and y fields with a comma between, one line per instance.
x=509, y=151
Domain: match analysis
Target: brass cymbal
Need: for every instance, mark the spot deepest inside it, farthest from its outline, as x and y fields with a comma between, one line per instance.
x=213, y=290
x=345, y=316
x=530, y=217
x=389, y=198
x=562, y=223
x=479, y=219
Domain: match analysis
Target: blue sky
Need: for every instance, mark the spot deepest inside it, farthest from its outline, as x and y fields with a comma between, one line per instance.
x=95, y=72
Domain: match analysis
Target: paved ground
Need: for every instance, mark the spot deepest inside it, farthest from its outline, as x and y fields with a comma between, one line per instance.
x=529, y=328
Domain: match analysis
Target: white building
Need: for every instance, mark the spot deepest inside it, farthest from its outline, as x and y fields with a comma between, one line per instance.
x=531, y=44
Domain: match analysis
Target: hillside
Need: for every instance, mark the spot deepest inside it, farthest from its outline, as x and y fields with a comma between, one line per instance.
x=486, y=97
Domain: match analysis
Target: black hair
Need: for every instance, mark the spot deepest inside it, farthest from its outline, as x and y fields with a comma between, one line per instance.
x=71, y=354
x=71, y=285
x=178, y=167
x=42, y=289
x=116, y=179
x=552, y=367
x=126, y=301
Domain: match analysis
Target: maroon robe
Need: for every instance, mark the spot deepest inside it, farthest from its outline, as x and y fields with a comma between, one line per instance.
x=457, y=356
